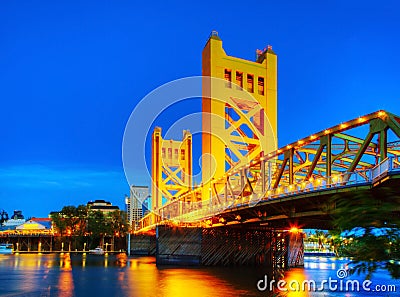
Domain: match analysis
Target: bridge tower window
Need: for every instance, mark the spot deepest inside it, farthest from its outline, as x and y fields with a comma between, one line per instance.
x=176, y=154
x=261, y=85
x=239, y=79
x=182, y=154
x=228, y=78
x=250, y=83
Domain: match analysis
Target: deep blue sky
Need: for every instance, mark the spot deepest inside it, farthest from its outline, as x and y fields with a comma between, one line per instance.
x=71, y=72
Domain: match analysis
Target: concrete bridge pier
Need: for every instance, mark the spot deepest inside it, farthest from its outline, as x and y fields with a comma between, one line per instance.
x=142, y=244
x=236, y=245
x=178, y=246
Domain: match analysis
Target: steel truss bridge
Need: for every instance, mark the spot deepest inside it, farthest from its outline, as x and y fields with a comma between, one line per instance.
x=291, y=183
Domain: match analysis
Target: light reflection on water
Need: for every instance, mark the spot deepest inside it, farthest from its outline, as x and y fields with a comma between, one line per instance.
x=89, y=275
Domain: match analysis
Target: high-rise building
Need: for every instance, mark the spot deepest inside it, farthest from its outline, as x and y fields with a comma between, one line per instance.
x=134, y=204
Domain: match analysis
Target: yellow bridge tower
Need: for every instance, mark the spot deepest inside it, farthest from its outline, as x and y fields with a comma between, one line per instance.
x=239, y=114
x=171, y=168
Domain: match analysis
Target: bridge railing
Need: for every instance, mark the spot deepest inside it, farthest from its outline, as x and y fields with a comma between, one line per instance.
x=382, y=168
x=191, y=211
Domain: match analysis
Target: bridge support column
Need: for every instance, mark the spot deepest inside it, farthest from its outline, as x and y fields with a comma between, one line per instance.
x=178, y=246
x=295, y=250
x=238, y=245
x=143, y=244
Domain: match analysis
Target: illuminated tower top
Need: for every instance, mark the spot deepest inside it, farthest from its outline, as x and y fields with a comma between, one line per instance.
x=251, y=89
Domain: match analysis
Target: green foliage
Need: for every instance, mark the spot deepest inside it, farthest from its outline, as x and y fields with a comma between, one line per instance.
x=81, y=220
x=98, y=225
x=371, y=217
x=59, y=222
x=71, y=220
x=77, y=222
x=119, y=222
x=367, y=209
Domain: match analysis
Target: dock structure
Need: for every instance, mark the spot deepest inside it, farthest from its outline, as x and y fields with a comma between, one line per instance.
x=48, y=242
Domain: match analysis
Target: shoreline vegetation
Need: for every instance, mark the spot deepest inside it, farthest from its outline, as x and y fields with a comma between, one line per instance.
x=80, y=228
x=368, y=229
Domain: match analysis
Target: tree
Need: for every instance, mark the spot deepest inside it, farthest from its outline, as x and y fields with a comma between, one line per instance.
x=81, y=220
x=69, y=214
x=59, y=222
x=118, y=222
x=372, y=219
x=98, y=227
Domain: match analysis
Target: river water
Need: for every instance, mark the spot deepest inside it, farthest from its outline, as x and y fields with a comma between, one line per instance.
x=90, y=275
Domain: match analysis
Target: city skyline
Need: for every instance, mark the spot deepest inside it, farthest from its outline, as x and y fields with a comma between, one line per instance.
x=72, y=75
